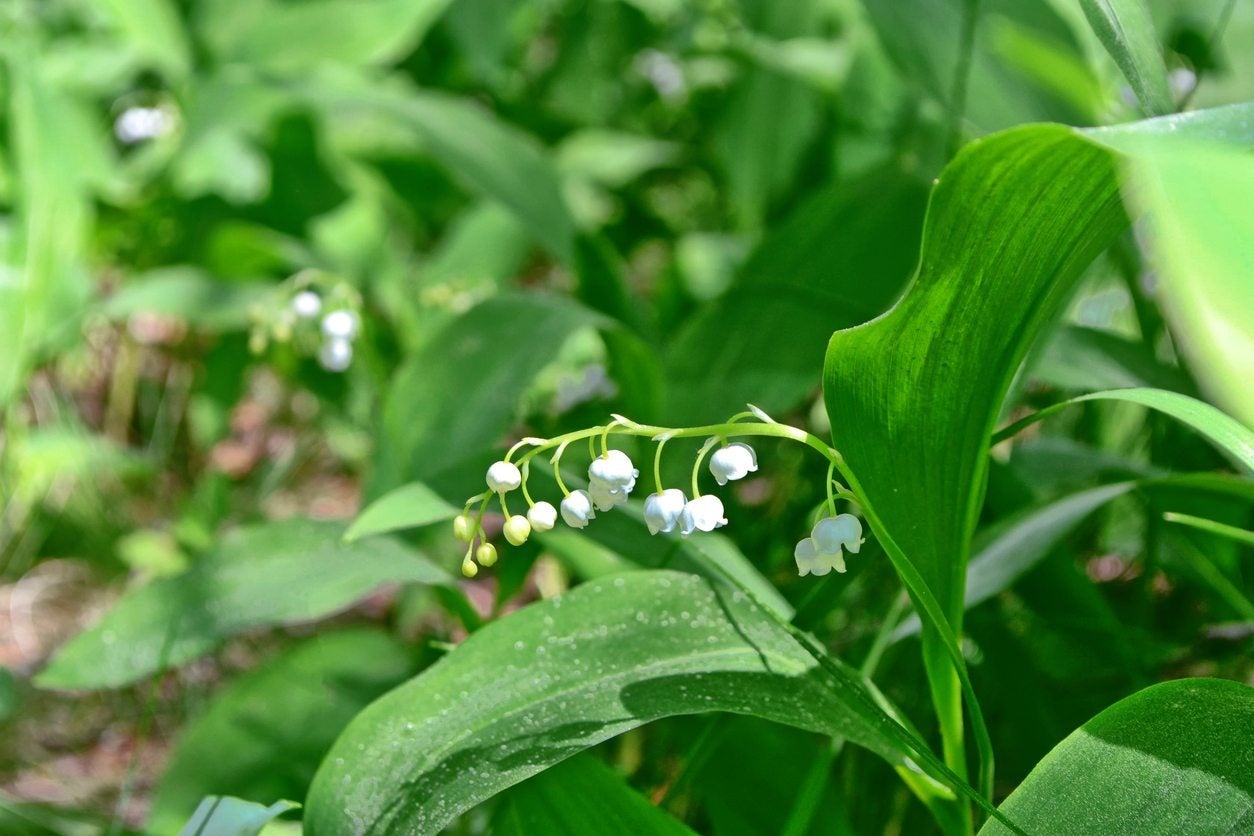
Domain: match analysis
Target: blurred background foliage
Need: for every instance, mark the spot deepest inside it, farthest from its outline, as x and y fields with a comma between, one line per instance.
x=539, y=213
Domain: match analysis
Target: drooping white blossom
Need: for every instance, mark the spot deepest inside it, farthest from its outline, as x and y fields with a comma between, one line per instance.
x=577, y=509
x=704, y=513
x=663, y=510
x=735, y=461
x=542, y=516
x=503, y=477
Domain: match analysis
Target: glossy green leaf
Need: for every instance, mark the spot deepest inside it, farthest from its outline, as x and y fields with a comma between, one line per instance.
x=554, y=678
x=226, y=816
x=576, y=797
x=455, y=399
x=1225, y=432
x=1177, y=757
x=264, y=735
x=839, y=260
x=409, y=506
x=279, y=573
x=1126, y=29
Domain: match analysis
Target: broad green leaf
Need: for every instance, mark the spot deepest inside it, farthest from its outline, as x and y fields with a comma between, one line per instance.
x=1127, y=31
x=838, y=260
x=226, y=816
x=579, y=796
x=154, y=30
x=288, y=37
x=1227, y=434
x=1177, y=757
x=279, y=573
x=1084, y=359
x=409, y=506
x=557, y=677
x=190, y=294
x=264, y=735
x=456, y=397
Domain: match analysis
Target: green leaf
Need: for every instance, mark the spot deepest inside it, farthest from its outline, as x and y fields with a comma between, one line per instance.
x=409, y=506
x=557, y=677
x=279, y=573
x=288, y=37
x=579, y=796
x=1177, y=757
x=1202, y=524
x=1126, y=29
x=190, y=294
x=838, y=260
x=154, y=30
x=456, y=397
x=264, y=735
x=226, y=816
x=1225, y=432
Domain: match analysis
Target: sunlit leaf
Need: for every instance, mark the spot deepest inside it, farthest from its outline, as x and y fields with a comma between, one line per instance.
x=409, y=506
x=226, y=816
x=1127, y=31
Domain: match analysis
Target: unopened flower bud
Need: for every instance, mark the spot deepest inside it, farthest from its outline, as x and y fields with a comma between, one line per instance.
x=486, y=554
x=542, y=516
x=504, y=476
x=464, y=527
x=517, y=529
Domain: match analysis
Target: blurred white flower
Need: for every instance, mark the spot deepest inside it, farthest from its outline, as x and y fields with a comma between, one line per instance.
x=577, y=509
x=663, y=72
x=135, y=124
x=705, y=513
x=340, y=324
x=335, y=354
x=662, y=510
x=307, y=304
x=735, y=461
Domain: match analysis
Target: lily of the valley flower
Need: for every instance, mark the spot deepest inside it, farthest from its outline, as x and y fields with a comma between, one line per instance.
x=485, y=554
x=335, y=354
x=307, y=304
x=542, y=516
x=663, y=510
x=340, y=324
x=735, y=461
x=517, y=529
x=605, y=497
x=504, y=476
x=611, y=478
x=704, y=513
x=823, y=550
x=577, y=509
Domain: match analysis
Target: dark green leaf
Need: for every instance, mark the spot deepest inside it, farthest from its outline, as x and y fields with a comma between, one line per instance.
x=1177, y=757
x=280, y=573
x=576, y=797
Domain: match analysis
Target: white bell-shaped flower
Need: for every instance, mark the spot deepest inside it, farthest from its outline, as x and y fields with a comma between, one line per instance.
x=834, y=533
x=605, y=497
x=341, y=324
x=613, y=470
x=335, y=354
x=307, y=304
x=542, y=516
x=577, y=509
x=503, y=476
x=705, y=513
x=517, y=529
x=735, y=461
x=663, y=510
x=811, y=561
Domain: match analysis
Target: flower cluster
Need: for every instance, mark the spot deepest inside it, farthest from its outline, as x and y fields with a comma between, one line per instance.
x=612, y=477
x=318, y=316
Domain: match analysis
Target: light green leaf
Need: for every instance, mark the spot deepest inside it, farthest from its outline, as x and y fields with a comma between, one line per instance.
x=1177, y=757
x=154, y=30
x=557, y=677
x=289, y=37
x=263, y=736
x=1084, y=359
x=1126, y=29
x=1211, y=526
x=409, y=506
x=279, y=573
x=226, y=816
x=578, y=796
x=1226, y=433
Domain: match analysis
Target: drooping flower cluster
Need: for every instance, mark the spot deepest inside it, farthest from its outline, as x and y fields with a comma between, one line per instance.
x=317, y=315
x=612, y=477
